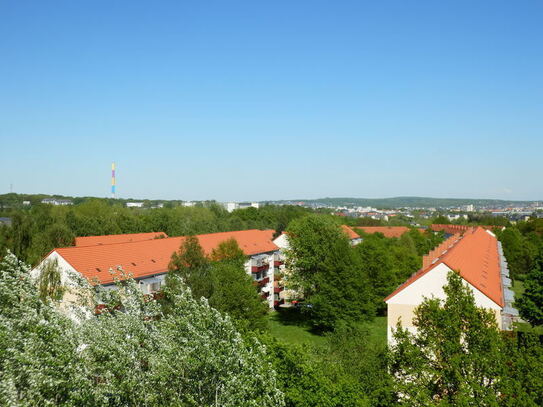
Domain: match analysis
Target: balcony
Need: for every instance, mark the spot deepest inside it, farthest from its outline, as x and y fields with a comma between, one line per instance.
x=256, y=269
x=277, y=289
x=264, y=281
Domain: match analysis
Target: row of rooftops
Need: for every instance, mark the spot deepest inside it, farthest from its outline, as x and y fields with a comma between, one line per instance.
x=146, y=254
x=451, y=229
x=474, y=254
x=472, y=251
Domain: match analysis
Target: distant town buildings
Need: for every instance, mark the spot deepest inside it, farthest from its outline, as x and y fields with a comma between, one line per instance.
x=232, y=206
x=134, y=204
x=469, y=208
x=56, y=202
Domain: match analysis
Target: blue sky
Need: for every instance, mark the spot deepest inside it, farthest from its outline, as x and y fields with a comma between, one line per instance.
x=254, y=100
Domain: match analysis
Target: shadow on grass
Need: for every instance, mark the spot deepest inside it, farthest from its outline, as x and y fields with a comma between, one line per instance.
x=296, y=316
x=292, y=316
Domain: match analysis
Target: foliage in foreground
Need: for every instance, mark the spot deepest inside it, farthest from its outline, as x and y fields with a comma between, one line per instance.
x=349, y=370
x=131, y=355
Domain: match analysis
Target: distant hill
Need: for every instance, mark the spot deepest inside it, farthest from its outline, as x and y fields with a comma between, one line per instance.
x=410, y=202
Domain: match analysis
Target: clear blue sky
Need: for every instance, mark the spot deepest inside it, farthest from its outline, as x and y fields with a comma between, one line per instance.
x=255, y=100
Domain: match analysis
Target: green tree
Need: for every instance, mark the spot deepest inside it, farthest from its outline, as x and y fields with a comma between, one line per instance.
x=304, y=380
x=353, y=357
x=191, y=264
x=223, y=282
x=325, y=269
x=228, y=250
x=441, y=220
x=456, y=357
x=21, y=234
x=379, y=266
x=50, y=282
x=235, y=295
x=519, y=252
x=530, y=303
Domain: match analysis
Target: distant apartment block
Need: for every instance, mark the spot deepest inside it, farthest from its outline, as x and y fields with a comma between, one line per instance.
x=56, y=202
x=232, y=206
x=134, y=204
x=477, y=256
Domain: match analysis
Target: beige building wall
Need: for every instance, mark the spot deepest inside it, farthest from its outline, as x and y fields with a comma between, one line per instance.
x=401, y=307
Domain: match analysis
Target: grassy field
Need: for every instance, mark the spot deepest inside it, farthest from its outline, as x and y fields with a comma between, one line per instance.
x=287, y=326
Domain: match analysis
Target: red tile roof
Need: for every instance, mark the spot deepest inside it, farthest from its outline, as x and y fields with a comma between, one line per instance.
x=149, y=257
x=351, y=233
x=452, y=229
x=475, y=256
x=108, y=239
x=388, y=231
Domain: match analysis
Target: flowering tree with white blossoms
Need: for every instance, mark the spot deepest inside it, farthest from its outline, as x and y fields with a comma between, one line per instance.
x=129, y=355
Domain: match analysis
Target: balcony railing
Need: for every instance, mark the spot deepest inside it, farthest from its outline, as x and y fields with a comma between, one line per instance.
x=256, y=269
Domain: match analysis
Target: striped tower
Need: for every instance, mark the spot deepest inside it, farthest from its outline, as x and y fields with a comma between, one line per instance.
x=113, y=180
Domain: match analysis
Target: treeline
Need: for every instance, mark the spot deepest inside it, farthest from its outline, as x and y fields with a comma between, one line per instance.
x=37, y=230
x=522, y=243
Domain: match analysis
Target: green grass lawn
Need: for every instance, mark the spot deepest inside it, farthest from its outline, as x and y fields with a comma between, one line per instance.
x=292, y=333
x=287, y=326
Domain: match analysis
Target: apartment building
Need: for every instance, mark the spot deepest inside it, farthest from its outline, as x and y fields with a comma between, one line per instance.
x=478, y=257
x=146, y=256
